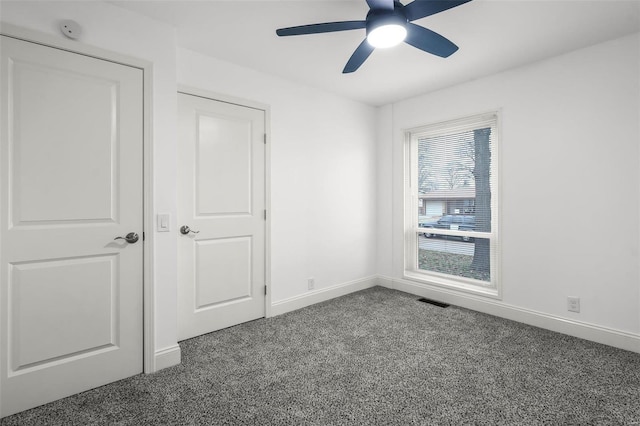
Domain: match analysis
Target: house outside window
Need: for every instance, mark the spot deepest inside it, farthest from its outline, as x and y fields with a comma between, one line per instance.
x=451, y=204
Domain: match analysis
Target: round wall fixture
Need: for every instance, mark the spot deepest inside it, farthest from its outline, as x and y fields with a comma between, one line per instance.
x=71, y=29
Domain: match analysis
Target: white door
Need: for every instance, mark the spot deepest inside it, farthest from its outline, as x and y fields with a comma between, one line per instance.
x=221, y=187
x=71, y=181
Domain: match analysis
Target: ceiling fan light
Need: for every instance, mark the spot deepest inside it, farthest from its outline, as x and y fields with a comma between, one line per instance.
x=387, y=35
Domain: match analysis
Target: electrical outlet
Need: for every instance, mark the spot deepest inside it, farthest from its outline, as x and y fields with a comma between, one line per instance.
x=573, y=304
x=311, y=283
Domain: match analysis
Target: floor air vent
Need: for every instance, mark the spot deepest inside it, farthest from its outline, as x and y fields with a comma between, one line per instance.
x=434, y=302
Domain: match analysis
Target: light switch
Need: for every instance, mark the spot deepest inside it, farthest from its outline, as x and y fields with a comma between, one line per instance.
x=164, y=222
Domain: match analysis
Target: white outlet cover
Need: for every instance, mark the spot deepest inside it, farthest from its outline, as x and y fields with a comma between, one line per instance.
x=573, y=304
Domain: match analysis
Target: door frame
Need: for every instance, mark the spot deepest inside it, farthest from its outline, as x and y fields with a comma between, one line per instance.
x=16, y=32
x=215, y=96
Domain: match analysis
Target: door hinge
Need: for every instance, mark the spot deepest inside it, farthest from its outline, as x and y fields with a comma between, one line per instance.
x=265, y=214
x=265, y=138
x=265, y=290
x=143, y=236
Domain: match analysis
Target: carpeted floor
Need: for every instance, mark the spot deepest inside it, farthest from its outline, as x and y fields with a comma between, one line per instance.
x=376, y=357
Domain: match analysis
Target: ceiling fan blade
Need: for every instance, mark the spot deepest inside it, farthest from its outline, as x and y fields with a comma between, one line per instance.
x=326, y=27
x=380, y=4
x=421, y=8
x=429, y=41
x=359, y=56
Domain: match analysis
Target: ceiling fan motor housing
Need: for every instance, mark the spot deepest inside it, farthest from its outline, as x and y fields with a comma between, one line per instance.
x=379, y=17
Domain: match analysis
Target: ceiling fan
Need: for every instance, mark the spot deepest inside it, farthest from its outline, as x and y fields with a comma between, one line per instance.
x=388, y=23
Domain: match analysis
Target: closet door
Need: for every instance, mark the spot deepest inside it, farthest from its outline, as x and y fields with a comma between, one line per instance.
x=221, y=186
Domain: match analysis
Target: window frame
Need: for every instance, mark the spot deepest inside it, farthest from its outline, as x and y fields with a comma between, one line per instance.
x=493, y=289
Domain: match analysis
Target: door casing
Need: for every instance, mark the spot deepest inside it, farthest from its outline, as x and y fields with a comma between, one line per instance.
x=146, y=67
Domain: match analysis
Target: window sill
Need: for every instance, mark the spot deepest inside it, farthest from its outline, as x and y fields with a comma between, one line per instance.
x=443, y=281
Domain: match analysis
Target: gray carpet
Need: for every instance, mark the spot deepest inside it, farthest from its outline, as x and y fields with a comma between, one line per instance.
x=375, y=357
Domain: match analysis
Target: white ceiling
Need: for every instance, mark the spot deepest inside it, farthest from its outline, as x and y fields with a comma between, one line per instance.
x=493, y=35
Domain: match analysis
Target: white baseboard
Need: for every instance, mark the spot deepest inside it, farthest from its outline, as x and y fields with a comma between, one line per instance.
x=320, y=295
x=595, y=333
x=171, y=356
x=167, y=357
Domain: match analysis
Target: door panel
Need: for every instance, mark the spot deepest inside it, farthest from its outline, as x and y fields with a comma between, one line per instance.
x=223, y=155
x=227, y=262
x=221, y=268
x=61, y=309
x=71, y=181
x=73, y=189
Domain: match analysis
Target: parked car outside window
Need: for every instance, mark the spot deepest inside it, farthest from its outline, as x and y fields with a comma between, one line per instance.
x=453, y=222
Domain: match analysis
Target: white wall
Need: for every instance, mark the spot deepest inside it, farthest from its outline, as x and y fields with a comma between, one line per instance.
x=385, y=224
x=569, y=181
x=115, y=29
x=323, y=175
x=323, y=155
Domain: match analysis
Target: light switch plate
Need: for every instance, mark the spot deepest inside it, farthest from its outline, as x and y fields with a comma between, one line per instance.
x=163, y=222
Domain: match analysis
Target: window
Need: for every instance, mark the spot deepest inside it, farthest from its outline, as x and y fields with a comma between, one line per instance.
x=451, y=205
